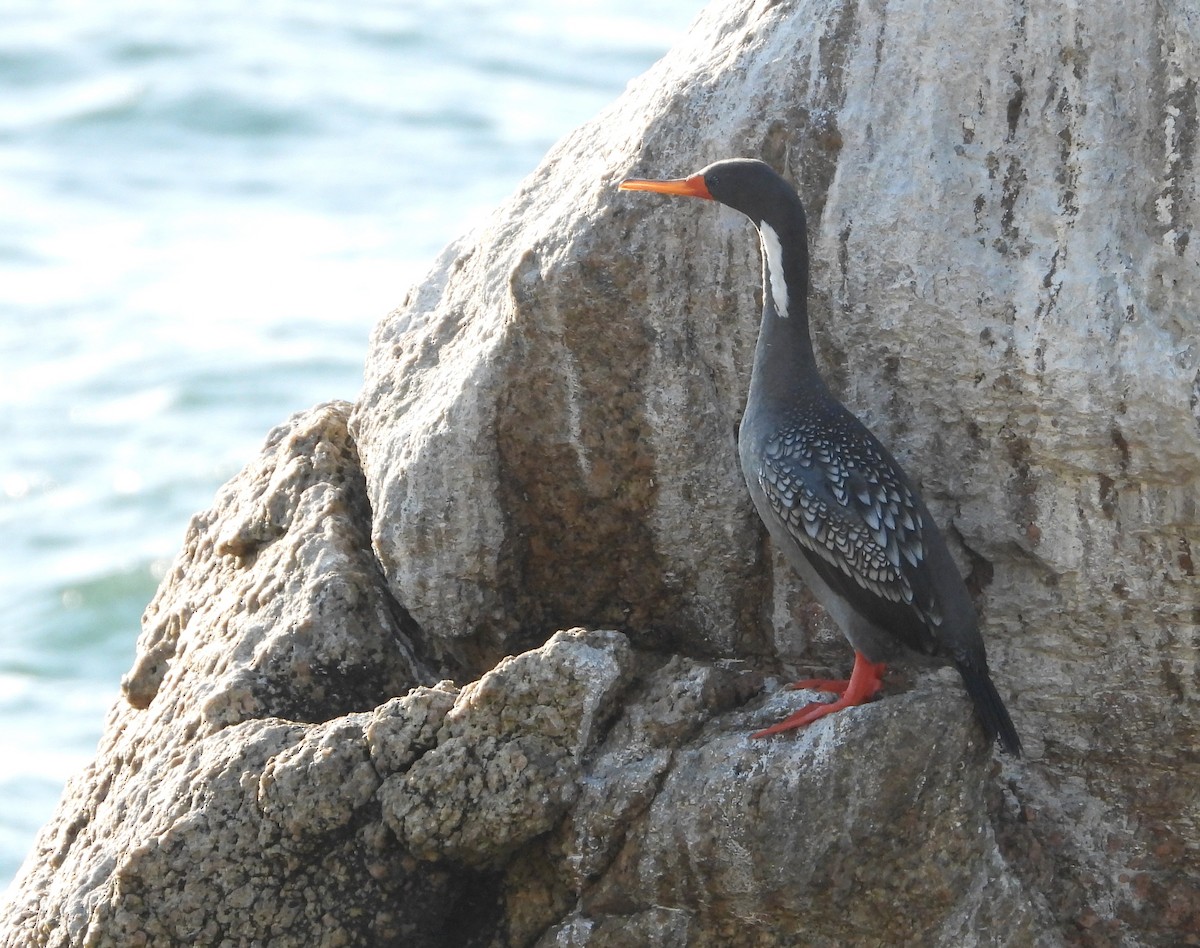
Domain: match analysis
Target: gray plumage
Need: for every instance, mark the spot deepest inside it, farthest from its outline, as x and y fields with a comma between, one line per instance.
x=832, y=497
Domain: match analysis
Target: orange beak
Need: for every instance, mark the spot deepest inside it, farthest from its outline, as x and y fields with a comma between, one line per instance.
x=688, y=187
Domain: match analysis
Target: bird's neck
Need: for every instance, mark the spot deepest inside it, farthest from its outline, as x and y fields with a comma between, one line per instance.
x=784, y=363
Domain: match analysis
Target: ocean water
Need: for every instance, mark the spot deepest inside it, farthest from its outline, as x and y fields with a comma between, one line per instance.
x=204, y=208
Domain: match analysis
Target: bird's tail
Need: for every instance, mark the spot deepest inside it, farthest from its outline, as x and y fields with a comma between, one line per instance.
x=989, y=707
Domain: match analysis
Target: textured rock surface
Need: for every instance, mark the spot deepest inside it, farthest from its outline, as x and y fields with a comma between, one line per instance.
x=1005, y=288
x=275, y=607
x=205, y=812
x=509, y=755
x=743, y=843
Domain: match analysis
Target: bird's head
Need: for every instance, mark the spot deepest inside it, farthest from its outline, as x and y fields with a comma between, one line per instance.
x=745, y=184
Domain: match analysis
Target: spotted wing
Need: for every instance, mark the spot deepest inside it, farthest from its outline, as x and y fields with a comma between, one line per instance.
x=846, y=503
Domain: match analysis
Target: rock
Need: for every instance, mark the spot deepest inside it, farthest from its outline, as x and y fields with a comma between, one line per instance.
x=906, y=856
x=1004, y=288
x=510, y=751
x=275, y=606
x=205, y=811
x=707, y=837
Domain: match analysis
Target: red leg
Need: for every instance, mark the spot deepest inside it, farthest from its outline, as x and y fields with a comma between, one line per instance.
x=865, y=681
x=835, y=686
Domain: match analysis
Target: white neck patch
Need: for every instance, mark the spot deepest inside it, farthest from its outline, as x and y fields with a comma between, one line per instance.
x=773, y=268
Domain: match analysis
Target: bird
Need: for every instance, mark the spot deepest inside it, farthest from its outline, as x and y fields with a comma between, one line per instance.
x=833, y=499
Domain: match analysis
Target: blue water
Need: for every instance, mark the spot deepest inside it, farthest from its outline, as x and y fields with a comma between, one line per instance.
x=204, y=208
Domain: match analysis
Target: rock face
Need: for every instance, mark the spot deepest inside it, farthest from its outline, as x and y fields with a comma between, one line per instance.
x=1004, y=287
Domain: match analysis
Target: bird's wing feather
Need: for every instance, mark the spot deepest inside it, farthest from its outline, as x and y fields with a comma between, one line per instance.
x=852, y=512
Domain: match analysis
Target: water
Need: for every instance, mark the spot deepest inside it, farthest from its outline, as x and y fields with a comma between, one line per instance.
x=204, y=207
